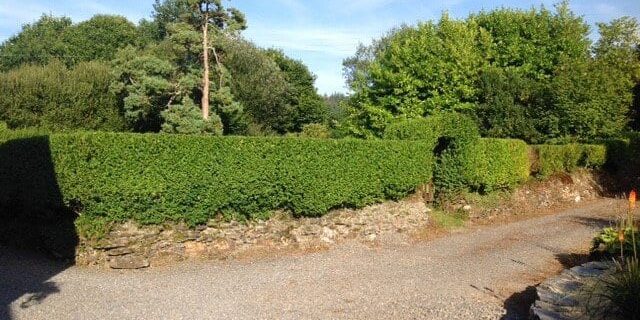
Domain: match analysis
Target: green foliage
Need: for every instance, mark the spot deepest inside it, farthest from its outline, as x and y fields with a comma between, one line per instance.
x=451, y=137
x=553, y=159
x=147, y=85
x=37, y=43
x=414, y=129
x=432, y=67
x=493, y=164
x=306, y=105
x=337, y=109
x=527, y=74
x=589, y=107
x=441, y=124
x=315, y=130
x=155, y=178
x=607, y=242
x=615, y=296
x=505, y=104
x=158, y=65
x=51, y=38
x=58, y=98
x=99, y=38
x=186, y=118
x=533, y=42
x=465, y=162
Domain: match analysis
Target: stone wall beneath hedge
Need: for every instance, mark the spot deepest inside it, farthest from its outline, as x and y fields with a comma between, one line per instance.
x=129, y=246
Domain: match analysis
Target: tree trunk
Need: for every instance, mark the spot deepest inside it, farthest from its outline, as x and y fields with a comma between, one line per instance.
x=205, y=76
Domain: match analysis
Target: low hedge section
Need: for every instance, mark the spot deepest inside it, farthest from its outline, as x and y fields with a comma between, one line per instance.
x=153, y=178
x=551, y=159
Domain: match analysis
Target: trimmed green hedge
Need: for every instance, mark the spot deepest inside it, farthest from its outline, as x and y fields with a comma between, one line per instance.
x=623, y=160
x=553, y=159
x=497, y=164
x=452, y=136
x=444, y=124
x=155, y=178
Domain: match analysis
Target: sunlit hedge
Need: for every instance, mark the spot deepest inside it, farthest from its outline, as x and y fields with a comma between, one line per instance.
x=156, y=178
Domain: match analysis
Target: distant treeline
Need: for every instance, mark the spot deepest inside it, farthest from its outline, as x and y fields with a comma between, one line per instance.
x=529, y=74
x=108, y=73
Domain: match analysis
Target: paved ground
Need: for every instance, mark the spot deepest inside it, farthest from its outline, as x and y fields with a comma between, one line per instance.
x=478, y=273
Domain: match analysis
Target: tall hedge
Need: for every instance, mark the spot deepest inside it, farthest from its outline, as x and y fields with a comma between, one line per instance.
x=156, y=178
x=497, y=164
x=623, y=160
x=451, y=134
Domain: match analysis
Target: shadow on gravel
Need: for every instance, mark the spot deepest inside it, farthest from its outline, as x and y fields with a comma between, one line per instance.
x=570, y=260
x=597, y=223
x=25, y=275
x=518, y=304
x=35, y=224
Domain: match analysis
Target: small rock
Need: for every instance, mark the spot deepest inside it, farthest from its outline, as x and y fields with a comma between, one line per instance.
x=577, y=199
x=327, y=240
x=128, y=262
x=119, y=251
x=328, y=233
x=466, y=208
x=112, y=244
x=195, y=249
x=372, y=237
x=586, y=272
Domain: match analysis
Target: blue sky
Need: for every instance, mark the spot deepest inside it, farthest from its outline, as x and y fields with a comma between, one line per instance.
x=319, y=32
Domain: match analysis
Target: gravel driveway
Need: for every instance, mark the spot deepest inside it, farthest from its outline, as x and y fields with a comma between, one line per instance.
x=478, y=273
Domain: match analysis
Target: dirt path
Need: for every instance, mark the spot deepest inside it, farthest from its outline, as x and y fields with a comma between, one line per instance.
x=479, y=273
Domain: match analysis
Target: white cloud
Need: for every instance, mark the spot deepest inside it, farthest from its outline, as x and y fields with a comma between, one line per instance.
x=329, y=41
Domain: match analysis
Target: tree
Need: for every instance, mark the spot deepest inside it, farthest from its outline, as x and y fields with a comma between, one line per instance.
x=58, y=98
x=431, y=67
x=306, y=106
x=533, y=42
x=505, y=104
x=336, y=107
x=37, y=43
x=99, y=38
x=51, y=38
x=356, y=68
x=529, y=74
x=258, y=84
x=201, y=15
x=590, y=100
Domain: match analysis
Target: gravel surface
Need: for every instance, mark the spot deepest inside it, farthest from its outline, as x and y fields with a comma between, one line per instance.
x=477, y=273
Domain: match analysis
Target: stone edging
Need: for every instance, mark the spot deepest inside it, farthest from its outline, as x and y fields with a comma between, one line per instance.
x=562, y=297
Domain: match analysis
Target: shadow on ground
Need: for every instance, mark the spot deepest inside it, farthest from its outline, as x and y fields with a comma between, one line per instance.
x=518, y=304
x=37, y=231
x=597, y=223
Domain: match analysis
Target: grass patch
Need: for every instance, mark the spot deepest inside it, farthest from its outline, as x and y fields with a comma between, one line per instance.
x=487, y=200
x=449, y=220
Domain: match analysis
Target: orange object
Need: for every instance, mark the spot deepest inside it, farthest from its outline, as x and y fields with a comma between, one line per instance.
x=632, y=199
